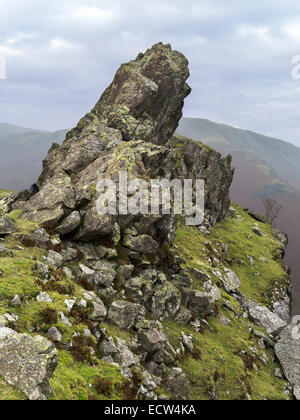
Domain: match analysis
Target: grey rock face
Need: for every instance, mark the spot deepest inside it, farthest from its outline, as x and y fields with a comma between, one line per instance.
x=27, y=363
x=282, y=308
x=177, y=383
x=125, y=315
x=152, y=340
x=287, y=350
x=143, y=244
x=146, y=97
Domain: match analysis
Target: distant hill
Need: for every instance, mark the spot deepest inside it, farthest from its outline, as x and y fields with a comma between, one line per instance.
x=264, y=166
x=21, y=154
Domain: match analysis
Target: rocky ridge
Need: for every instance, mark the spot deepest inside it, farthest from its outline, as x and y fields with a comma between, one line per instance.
x=131, y=274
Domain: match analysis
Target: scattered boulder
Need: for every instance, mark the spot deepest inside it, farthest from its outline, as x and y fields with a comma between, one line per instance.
x=264, y=318
x=27, y=363
x=64, y=319
x=152, y=340
x=5, y=252
x=54, y=335
x=143, y=244
x=7, y=225
x=229, y=279
x=202, y=303
x=177, y=384
x=256, y=216
x=257, y=231
x=125, y=358
x=70, y=223
x=125, y=315
x=287, y=350
x=54, y=259
x=39, y=238
x=16, y=301
x=44, y=297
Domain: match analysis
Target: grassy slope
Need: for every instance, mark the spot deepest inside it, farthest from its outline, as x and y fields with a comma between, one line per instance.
x=220, y=366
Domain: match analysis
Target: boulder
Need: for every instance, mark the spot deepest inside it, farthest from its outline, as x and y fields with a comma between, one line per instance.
x=287, y=350
x=178, y=385
x=152, y=290
x=70, y=223
x=229, y=279
x=257, y=231
x=152, y=340
x=44, y=298
x=5, y=252
x=27, y=363
x=54, y=335
x=256, y=216
x=264, y=318
x=54, y=259
x=125, y=315
x=7, y=225
x=202, y=304
x=39, y=238
x=143, y=244
x=124, y=357
x=99, y=313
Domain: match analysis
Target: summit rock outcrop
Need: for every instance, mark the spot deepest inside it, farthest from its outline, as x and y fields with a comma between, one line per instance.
x=133, y=293
x=130, y=129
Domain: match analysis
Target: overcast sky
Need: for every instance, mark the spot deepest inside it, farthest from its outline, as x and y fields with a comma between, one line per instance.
x=62, y=54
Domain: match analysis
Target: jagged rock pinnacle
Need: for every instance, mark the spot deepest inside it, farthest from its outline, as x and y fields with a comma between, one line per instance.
x=145, y=99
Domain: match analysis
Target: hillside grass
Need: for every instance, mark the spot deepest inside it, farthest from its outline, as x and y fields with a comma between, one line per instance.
x=221, y=369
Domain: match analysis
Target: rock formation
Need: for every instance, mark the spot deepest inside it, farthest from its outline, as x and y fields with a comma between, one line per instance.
x=130, y=274
x=27, y=363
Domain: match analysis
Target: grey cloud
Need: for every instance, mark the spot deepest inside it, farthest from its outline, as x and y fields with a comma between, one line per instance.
x=62, y=54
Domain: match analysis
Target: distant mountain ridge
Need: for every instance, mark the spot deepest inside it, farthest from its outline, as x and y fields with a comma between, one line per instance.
x=21, y=153
x=280, y=156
